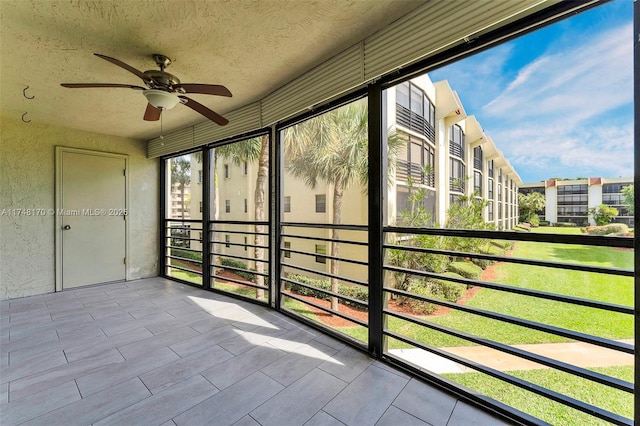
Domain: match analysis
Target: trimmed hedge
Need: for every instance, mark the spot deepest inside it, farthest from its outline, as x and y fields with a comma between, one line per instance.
x=434, y=288
x=238, y=264
x=610, y=229
x=503, y=244
x=466, y=269
x=545, y=223
x=353, y=291
x=186, y=254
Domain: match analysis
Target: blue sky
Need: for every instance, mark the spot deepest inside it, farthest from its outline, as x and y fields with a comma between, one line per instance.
x=557, y=102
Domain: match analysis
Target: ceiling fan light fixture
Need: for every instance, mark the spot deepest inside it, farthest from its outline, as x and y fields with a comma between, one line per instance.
x=161, y=99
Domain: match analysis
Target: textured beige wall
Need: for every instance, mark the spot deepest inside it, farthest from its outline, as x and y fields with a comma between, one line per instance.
x=27, y=181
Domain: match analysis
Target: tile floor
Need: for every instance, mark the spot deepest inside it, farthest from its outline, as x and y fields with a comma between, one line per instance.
x=156, y=352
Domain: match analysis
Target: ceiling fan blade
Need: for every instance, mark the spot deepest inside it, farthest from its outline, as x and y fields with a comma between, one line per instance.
x=152, y=113
x=123, y=65
x=206, y=89
x=211, y=115
x=90, y=85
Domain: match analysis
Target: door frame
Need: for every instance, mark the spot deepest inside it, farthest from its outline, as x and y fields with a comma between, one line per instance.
x=60, y=150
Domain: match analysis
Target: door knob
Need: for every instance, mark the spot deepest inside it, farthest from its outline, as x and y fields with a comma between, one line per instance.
x=66, y=227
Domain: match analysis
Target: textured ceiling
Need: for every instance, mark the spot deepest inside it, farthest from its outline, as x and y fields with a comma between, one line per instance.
x=251, y=46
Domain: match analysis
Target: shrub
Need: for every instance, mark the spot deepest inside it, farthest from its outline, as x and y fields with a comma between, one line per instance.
x=433, y=288
x=503, y=244
x=610, y=229
x=353, y=291
x=233, y=263
x=466, y=269
x=534, y=220
x=186, y=254
x=545, y=223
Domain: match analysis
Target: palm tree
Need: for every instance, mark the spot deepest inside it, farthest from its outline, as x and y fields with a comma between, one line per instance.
x=251, y=150
x=181, y=175
x=333, y=148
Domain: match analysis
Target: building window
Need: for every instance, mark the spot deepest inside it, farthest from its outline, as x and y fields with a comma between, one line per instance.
x=199, y=176
x=415, y=110
x=227, y=206
x=287, y=245
x=499, y=192
x=477, y=183
x=490, y=189
x=456, y=141
x=490, y=211
x=226, y=171
x=287, y=204
x=321, y=203
x=321, y=249
x=245, y=168
x=490, y=168
x=200, y=206
x=227, y=241
x=246, y=206
x=456, y=177
x=477, y=158
x=420, y=161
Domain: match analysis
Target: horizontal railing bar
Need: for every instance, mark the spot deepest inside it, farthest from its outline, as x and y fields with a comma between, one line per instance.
x=326, y=226
x=585, y=240
x=328, y=310
x=239, y=222
x=325, y=274
x=184, y=238
x=182, y=228
x=184, y=248
x=185, y=269
x=519, y=260
x=233, y=256
x=248, y=271
x=329, y=292
x=331, y=240
x=307, y=253
x=531, y=387
x=517, y=290
x=225, y=231
x=575, y=335
x=559, y=365
x=184, y=259
x=238, y=244
x=184, y=220
x=248, y=284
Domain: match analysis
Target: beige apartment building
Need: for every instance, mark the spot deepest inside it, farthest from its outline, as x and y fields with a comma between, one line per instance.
x=446, y=153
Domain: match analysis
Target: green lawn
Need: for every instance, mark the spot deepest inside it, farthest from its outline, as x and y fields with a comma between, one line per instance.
x=601, y=287
x=557, y=414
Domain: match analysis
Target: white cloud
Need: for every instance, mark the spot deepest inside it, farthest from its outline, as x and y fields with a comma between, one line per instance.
x=571, y=85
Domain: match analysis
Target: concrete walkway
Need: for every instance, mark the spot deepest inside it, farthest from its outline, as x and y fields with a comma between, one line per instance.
x=576, y=353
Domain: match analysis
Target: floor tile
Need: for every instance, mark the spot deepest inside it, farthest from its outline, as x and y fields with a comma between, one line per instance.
x=200, y=342
x=36, y=364
x=324, y=419
x=293, y=366
x=465, y=414
x=165, y=405
x=395, y=416
x=171, y=337
x=366, y=399
x=38, y=403
x=95, y=407
x=299, y=402
x=233, y=403
x=425, y=402
x=346, y=364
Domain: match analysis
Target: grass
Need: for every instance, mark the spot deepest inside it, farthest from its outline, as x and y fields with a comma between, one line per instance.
x=615, y=401
x=600, y=287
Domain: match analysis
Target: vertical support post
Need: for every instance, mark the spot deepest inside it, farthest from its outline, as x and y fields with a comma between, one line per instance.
x=636, y=207
x=376, y=187
x=276, y=180
x=206, y=218
x=162, y=226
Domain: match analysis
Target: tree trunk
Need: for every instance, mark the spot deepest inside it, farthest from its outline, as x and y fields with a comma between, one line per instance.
x=259, y=199
x=215, y=213
x=335, y=246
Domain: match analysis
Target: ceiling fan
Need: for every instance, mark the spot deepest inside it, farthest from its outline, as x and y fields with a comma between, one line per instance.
x=164, y=90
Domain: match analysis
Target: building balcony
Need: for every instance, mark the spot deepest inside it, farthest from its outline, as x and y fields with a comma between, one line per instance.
x=415, y=122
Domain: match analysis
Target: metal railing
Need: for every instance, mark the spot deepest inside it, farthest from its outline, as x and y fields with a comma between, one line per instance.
x=405, y=169
x=183, y=250
x=415, y=122
x=400, y=240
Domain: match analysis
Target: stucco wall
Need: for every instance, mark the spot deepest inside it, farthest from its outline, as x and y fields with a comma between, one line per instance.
x=27, y=181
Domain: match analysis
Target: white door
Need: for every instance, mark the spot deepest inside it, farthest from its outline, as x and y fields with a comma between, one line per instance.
x=91, y=217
